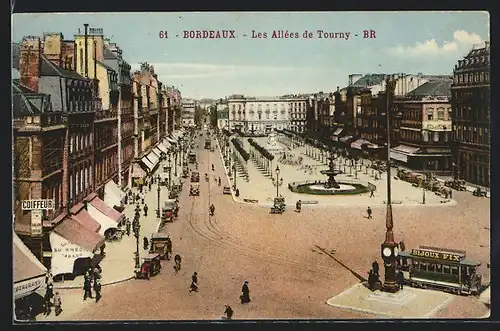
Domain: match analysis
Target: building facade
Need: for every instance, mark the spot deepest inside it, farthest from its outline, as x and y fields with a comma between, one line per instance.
x=471, y=117
x=422, y=136
x=259, y=115
x=188, y=112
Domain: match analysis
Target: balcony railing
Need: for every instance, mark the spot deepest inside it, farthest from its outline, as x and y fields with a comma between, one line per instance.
x=106, y=114
x=51, y=119
x=127, y=111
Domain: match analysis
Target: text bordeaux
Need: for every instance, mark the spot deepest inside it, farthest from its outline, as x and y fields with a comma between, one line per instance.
x=436, y=255
x=209, y=34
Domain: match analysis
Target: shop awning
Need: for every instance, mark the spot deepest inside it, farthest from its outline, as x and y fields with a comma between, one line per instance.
x=171, y=140
x=346, y=139
x=163, y=146
x=137, y=171
x=29, y=273
x=358, y=144
x=338, y=131
x=441, y=151
x=105, y=209
x=147, y=163
x=84, y=218
x=399, y=156
x=69, y=243
x=113, y=195
x=153, y=159
x=409, y=150
x=157, y=151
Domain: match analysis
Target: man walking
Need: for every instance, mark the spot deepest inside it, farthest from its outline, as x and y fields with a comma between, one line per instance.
x=401, y=279
x=375, y=268
x=57, y=304
x=369, y=212
x=372, y=194
x=229, y=312
x=245, y=293
x=97, y=289
x=298, y=206
x=194, y=283
x=87, y=288
x=145, y=210
x=49, y=293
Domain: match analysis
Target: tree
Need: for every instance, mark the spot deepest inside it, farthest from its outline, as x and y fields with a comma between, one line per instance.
x=199, y=116
x=213, y=116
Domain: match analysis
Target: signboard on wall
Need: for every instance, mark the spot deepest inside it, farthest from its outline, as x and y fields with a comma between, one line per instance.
x=36, y=222
x=38, y=204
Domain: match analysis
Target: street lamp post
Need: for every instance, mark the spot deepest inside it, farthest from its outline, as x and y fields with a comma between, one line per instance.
x=234, y=173
x=277, y=182
x=169, y=169
x=389, y=249
x=158, y=192
x=136, y=227
x=175, y=161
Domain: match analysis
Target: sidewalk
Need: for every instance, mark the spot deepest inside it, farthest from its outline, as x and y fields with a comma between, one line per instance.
x=261, y=187
x=119, y=263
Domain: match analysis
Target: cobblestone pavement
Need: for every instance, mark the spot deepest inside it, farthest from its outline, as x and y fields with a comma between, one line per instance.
x=288, y=277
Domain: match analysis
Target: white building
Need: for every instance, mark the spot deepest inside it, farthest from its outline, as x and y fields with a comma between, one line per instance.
x=222, y=110
x=188, y=110
x=263, y=114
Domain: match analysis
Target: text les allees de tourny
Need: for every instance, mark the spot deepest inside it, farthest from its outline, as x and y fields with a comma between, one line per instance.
x=276, y=34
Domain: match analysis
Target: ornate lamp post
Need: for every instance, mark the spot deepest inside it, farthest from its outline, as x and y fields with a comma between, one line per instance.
x=136, y=227
x=234, y=173
x=169, y=169
x=277, y=182
x=158, y=190
x=389, y=248
x=175, y=161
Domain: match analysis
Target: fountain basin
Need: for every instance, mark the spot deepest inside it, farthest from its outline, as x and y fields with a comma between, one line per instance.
x=316, y=187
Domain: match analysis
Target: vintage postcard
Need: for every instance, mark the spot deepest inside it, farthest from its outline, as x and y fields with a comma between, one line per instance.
x=251, y=165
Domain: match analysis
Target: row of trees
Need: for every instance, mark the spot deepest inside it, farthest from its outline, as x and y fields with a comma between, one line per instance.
x=239, y=147
x=264, y=152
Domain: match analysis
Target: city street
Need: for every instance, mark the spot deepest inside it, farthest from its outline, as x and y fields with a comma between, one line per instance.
x=288, y=276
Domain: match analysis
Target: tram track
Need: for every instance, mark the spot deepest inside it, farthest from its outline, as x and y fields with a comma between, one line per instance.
x=221, y=238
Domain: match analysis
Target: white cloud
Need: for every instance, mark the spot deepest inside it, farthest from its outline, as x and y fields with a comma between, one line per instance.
x=205, y=70
x=462, y=40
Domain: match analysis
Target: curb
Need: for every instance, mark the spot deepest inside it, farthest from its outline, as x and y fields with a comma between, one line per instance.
x=73, y=287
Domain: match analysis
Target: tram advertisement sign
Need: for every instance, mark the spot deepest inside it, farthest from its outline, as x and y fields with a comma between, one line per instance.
x=436, y=255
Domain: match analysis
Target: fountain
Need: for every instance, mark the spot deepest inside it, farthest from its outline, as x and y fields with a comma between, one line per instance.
x=331, y=186
x=331, y=172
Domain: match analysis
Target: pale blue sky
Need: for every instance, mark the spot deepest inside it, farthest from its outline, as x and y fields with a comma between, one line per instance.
x=412, y=42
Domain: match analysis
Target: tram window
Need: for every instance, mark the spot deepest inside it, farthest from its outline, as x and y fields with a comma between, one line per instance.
x=423, y=266
x=454, y=271
x=439, y=268
x=432, y=267
x=415, y=264
x=446, y=269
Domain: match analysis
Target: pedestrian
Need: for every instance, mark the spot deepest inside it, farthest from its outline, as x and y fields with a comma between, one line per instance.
x=49, y=293
x=140, y=188
x=146, y=210
x=145, y=242
x=372, y=194
x=401, y=279
x=149, y=186
x=126, y=199
x=169, y=247
x=371, y=280
x=369, y=212
x=402, y=246
x=194, y=283
x=128, y=225
x=97, y=272
x=219, y=181
x=451, y=193
x=245, y=293
x=298, y=205
x=375, y=268
x=97, y=289
x=57, y=304
x=229, y=312
x=87, y=288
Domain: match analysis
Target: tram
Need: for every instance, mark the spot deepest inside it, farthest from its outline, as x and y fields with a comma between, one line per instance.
x=442, y=269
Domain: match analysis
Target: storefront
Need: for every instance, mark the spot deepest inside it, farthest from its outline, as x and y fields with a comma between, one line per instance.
x=113, y=195
x=403, y=153
x=138, y=174
x=73, y=246
x=29, y=279
x=108, y=217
